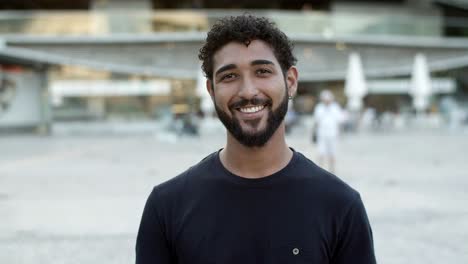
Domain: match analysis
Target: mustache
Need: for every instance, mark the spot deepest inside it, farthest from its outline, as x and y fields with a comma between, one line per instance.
x=254, y=101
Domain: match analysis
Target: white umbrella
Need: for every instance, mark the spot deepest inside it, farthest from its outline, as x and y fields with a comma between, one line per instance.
x=420, y=88
x=355, y=83
x=206, y=104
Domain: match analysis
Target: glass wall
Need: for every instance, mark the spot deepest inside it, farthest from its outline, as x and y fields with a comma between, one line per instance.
x=145, y=22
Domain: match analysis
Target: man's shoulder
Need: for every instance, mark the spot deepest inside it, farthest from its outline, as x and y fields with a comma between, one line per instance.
x=319, y=107
x=322, y=182
x=336, y=107
x=189, y=179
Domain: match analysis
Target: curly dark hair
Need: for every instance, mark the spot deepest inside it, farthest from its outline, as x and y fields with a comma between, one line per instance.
x=244, y=29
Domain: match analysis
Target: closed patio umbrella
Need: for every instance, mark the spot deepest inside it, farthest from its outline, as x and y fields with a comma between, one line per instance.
x=355, y=83
x=206, y=104
x=420, y=88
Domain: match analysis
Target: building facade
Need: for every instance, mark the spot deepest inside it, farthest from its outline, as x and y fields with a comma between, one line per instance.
x=137, y=60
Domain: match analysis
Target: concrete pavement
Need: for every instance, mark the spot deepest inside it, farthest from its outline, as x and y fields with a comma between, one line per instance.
x=78, y=199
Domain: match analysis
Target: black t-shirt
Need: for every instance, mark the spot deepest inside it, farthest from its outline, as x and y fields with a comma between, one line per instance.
x=301, y=214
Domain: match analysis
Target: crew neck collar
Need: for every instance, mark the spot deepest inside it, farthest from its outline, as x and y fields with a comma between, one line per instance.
x=256, y=182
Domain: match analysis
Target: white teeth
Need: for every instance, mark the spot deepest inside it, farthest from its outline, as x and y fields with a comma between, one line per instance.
x=252, y=109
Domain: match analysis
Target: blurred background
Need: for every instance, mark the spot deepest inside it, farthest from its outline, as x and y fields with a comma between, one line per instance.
x=100, y=100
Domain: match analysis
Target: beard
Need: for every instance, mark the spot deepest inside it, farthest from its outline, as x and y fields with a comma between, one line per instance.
x=258, y=138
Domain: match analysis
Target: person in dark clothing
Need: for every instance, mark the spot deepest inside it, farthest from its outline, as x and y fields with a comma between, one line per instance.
x=256, y=200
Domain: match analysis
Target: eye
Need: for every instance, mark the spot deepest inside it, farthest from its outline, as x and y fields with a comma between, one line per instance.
x=262, y=71
x=228, y=76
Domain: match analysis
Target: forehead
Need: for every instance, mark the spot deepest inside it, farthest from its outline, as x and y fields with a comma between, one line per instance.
x=238, y=53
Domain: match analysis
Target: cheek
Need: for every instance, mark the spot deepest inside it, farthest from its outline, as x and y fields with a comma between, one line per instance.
x=278, y=92
x=275, y=85
x=221, y=102
x=223, y=97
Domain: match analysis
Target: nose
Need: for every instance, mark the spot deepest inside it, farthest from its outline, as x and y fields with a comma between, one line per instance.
x=248, y=89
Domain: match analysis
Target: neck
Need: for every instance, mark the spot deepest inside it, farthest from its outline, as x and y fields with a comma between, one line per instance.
x=256, y=162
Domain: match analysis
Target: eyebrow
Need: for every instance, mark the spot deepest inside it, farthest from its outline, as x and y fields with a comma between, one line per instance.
x=233, y=66
x=261, y=62
x=225, y=68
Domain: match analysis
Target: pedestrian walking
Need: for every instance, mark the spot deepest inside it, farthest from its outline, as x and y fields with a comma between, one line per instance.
x=328, y=117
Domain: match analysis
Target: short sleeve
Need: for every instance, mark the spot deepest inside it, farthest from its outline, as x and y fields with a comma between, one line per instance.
x=355, y=242
x=151, y=243
x=316, y=111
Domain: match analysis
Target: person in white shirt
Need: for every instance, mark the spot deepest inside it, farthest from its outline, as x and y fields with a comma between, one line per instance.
x=328, y=117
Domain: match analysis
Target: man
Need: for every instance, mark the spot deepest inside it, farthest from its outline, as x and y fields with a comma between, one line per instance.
x=256, y=200
x=328, y=118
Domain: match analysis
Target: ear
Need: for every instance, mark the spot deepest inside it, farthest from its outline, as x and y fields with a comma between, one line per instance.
x=292, y=76
x=209, y=88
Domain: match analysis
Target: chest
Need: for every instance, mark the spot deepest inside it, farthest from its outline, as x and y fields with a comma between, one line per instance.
x=248, y=230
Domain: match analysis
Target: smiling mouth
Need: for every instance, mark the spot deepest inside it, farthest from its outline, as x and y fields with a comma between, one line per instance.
x=251, y=109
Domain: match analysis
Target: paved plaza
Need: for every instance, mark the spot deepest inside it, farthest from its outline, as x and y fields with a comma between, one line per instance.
x=79, y=199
